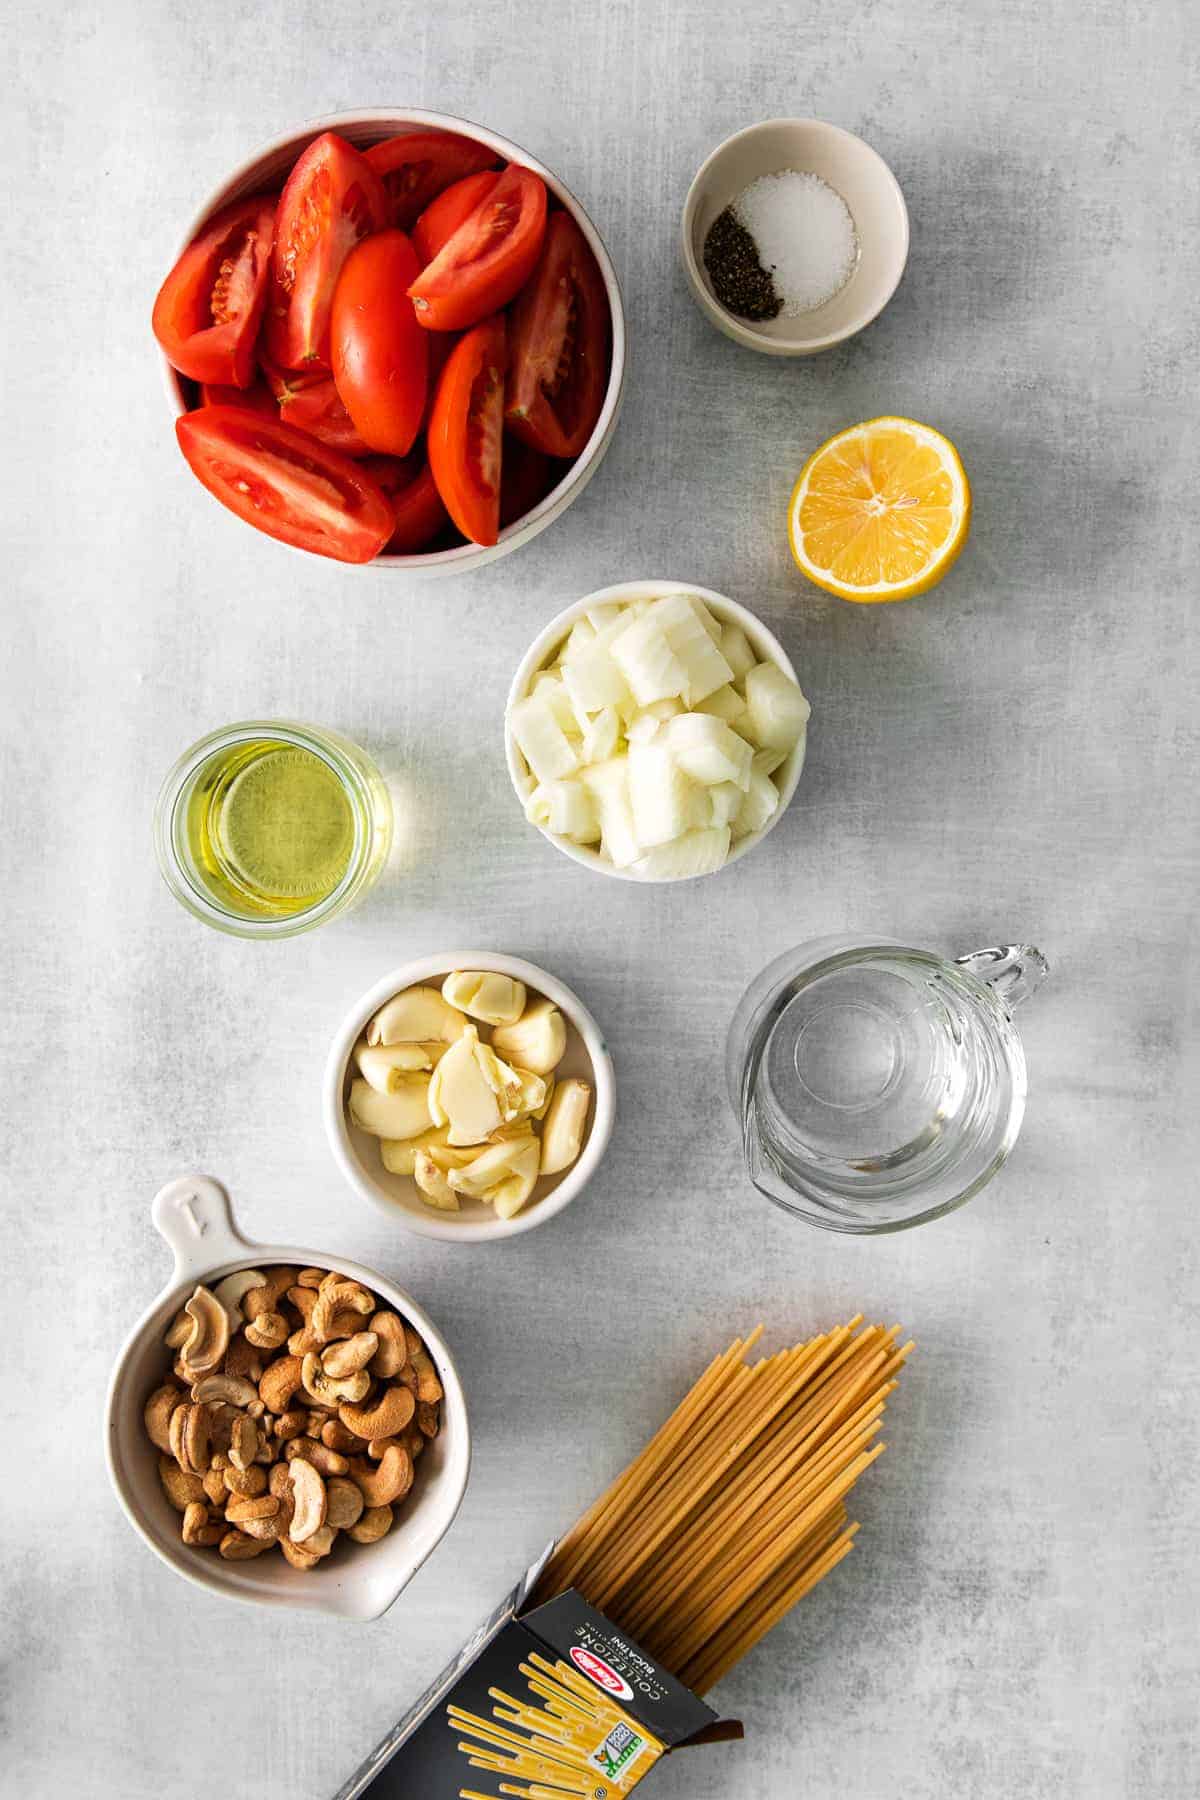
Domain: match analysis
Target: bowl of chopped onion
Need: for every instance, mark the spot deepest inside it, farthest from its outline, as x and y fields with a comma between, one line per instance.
x=655, y=731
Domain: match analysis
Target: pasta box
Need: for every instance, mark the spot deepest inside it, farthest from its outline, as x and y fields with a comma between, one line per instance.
x=545, y=1704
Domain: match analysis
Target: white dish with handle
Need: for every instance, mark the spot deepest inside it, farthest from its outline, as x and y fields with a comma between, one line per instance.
x=360, y=1581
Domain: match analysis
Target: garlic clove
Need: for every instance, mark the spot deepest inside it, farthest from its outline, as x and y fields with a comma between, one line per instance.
x=562, y=1135
x=518, y=1156
x=400, y=1154
x=413, y=1017
x=386, y=1065
x=432, y=1185
x=510, y=1196
x=460, y=1094
x=454, y=1156
x=402, y=1114
x=538, y=1040
x=504, y=1082
x=484, y=994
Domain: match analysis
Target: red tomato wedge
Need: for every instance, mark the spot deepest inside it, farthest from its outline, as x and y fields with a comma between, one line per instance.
x=380, y=354
x=420, y=512
x=312, y=403
x=285, y=482
x=558, y=364
x=526, y=476
x=416, y=167
x=442, y=218
x=490, y=257
x=466, y=422
x=332, y=199
x=209, y=309
x=257, y=397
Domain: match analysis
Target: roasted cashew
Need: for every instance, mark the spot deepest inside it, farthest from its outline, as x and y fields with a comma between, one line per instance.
x=389, y=1480
x=324, y=1390
x=156, y=1414
x=339, y=1298
x=392, y=1353
x=344, y=1503
x=335, y=1436
x=234, y=1390
x=324, y=1460
x=197, y=1528
x=350, y=1355
x=428, y=1385
x=279, y=1382
x=235, y=1546
x=297, y=1555
x=232, y=1291
x=267, y=1330
x=242, y=1359
x=389, y=1414
x=303, y=1299
x=308, y=1500
x=178, y=1331
x=375, y=1523
x=246, y=1483
x=244, y=1442
x=267, y=1297
x=213, y=1483
x=208, y=1340
x=180, y=1487
x=251, y=1506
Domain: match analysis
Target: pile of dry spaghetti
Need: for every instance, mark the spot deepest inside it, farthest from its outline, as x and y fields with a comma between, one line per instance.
x=736, y=1508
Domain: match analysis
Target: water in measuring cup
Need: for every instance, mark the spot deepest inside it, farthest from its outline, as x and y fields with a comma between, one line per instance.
x=880, y=1073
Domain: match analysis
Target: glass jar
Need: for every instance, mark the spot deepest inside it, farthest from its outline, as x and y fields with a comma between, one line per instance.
x=268, y=828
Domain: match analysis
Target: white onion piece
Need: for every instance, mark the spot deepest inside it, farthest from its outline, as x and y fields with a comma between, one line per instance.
x=659, y=795
x=708, y=750
x=695, y=853
x=778, y=711
x=541, y=739
x=759, y=803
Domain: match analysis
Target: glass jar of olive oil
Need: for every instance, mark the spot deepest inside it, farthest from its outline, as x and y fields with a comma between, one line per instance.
x=268, y=828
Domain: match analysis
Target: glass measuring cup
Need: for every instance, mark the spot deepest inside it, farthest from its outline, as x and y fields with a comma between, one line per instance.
x=878, y=1086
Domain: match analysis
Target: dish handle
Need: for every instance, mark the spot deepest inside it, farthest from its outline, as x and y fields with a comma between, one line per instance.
x=192, y=1213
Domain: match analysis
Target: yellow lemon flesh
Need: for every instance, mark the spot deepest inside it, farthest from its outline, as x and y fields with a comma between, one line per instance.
x=881, y=511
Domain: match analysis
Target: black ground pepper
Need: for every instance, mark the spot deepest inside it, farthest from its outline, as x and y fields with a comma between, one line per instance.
x=739, y=280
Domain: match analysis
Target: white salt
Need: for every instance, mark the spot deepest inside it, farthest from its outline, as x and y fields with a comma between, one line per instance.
x=804, y=235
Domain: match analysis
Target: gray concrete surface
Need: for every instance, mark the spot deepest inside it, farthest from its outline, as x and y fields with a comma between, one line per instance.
x=1011, y=756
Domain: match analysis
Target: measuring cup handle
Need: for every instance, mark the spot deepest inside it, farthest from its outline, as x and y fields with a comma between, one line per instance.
x=1014, y=970
x=192, y=1213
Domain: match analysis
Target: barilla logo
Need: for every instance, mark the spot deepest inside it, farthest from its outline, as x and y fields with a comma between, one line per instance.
x=597, y=1670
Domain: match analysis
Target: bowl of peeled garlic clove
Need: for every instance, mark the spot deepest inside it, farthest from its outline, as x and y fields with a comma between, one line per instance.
x=469, y=1096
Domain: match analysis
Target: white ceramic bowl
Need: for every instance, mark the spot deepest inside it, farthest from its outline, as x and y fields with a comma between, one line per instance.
x=357, y=1153
x=864, y=181
x=269, y=167
x=361, y=1580
x=546, y=645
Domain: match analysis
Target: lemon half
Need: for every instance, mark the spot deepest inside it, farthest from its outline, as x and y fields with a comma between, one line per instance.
x=881, y=511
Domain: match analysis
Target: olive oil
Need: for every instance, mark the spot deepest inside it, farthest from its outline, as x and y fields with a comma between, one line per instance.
x=269, y=828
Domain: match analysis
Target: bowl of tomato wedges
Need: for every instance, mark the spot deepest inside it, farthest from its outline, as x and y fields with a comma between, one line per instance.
x=394, y=339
